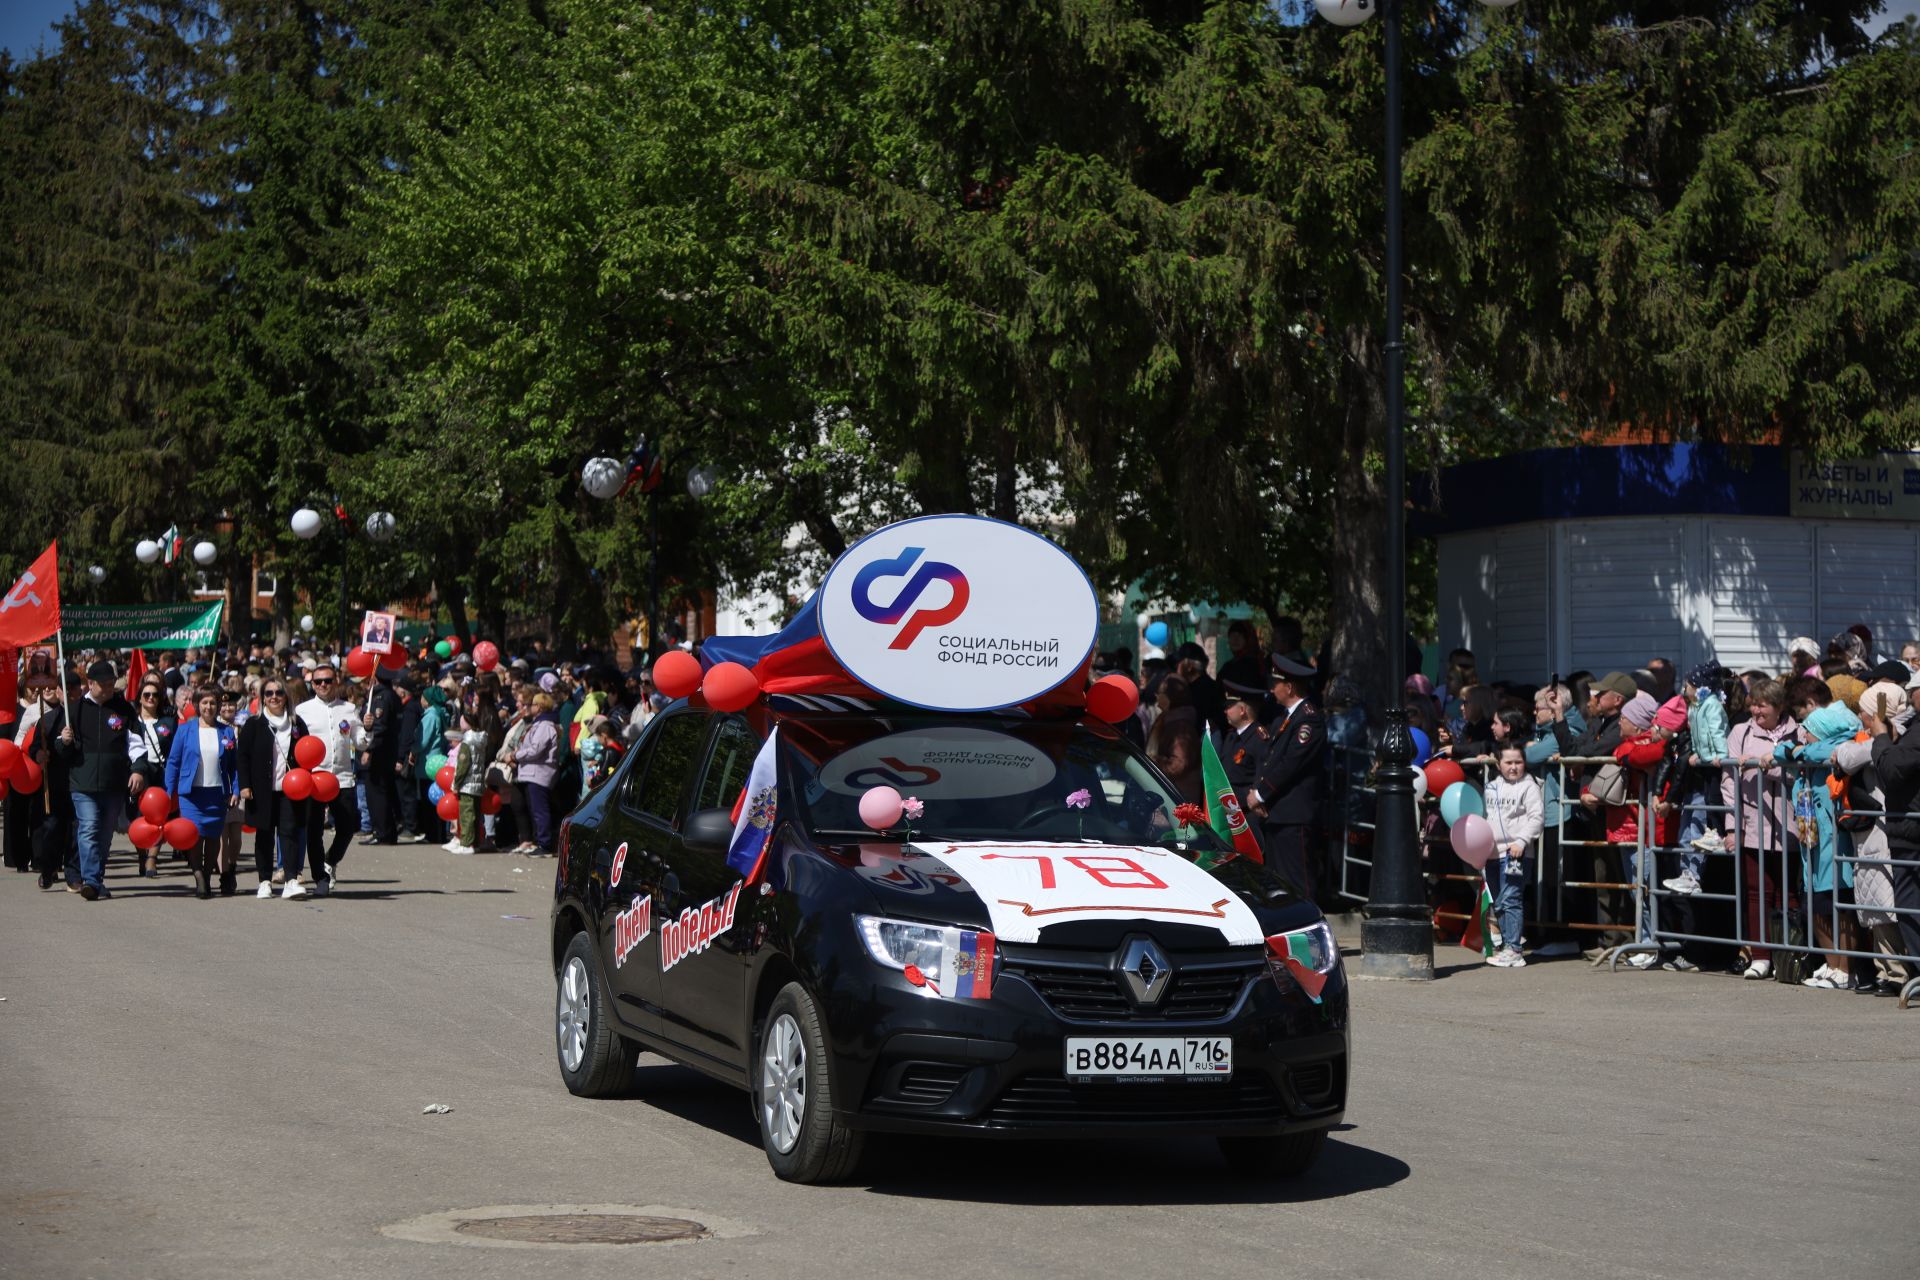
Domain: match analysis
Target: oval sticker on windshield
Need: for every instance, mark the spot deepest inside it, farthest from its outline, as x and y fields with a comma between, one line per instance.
x=958, y=613
x=945, y=762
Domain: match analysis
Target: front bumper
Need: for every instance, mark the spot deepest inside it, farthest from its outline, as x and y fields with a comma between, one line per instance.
x=909, y=1063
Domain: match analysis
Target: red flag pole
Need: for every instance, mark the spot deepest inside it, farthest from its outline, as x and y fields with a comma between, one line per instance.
x=60, y=630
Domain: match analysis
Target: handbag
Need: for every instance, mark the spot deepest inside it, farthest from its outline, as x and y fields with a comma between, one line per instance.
x=1608, y=785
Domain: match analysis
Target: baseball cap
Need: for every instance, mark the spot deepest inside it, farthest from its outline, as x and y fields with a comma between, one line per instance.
x=1617, y=682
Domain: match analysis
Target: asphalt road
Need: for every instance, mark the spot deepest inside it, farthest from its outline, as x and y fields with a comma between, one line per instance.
x=234, y=1088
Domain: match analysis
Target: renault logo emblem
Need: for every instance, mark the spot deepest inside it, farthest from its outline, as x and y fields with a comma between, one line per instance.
x=1144, y=971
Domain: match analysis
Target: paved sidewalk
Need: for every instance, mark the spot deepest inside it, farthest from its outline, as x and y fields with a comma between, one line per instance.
x=234, y=1088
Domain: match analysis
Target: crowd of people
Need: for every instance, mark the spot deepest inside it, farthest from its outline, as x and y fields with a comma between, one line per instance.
x=217, y=740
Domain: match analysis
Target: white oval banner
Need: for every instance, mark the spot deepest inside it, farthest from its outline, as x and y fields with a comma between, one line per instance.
x=946, y=762
x=958, y=613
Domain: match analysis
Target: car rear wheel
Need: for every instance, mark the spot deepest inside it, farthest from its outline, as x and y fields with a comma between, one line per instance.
x=793, y=1095
x=595, y=1060
x=1288, y=1156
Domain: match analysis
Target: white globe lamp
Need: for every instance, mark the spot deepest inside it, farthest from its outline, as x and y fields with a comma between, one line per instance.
x=146, y=551
x=205, y=553
x=1346, y=13
x=305, y=522
x=603, y=477
x=380, y=526
x=306, y=623
x=700, y=481
x=95, y=572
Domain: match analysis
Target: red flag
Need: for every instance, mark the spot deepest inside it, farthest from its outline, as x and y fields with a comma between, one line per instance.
x=136, y=669
x=31, y=611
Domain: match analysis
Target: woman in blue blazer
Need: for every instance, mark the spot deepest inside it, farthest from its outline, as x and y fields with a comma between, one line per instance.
x=203, y=774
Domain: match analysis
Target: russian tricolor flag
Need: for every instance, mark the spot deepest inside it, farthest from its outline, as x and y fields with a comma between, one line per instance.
x=968, y=966
x=759, y=811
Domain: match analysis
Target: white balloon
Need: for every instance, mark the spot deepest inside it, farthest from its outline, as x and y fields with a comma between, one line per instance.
x=603, y=477
x=700, y=481
x=1419, y=783
x=306, y=622
x=146, y=551
x=95, y=572
x=306, y=522
x=205, y=553
x=380, y=526
x=1346, y=13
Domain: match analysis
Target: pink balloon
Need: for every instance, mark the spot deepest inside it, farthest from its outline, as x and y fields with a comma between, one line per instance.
x=881, y=807
x=1472, y=839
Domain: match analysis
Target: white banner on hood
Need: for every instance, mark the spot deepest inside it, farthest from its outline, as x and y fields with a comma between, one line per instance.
x=1029, y=886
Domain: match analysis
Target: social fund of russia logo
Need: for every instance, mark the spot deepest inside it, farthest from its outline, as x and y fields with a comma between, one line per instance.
x=958, y=613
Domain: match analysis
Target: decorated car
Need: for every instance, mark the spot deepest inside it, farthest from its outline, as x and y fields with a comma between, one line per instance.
x=894, y=869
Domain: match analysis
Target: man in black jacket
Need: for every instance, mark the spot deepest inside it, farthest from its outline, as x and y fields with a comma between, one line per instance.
x=90, y=741
x=1897, y=764
x=380, y=763
x=1288, y=787
x=407, y=761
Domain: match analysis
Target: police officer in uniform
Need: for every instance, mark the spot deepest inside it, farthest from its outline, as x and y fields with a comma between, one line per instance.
x=1289, y=786
x=1244, y=743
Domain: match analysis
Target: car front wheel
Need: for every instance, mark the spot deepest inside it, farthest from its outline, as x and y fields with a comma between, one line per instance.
x=595, y=1060
x=793, y=1096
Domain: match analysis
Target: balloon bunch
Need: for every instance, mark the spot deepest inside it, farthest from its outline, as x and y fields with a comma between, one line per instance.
x=1462, y=809
x=727, y=687
x=445, y=800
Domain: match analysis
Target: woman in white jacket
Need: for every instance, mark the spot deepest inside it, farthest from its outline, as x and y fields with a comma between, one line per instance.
x=1515, y=810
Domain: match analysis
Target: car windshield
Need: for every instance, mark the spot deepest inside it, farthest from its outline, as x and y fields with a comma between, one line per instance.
x=1004, y=779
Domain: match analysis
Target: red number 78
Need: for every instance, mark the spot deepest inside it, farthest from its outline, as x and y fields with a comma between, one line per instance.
x=1103, y=867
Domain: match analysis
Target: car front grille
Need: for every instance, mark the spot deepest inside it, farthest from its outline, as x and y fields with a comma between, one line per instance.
x=1088, y=994
x=1047, y=1099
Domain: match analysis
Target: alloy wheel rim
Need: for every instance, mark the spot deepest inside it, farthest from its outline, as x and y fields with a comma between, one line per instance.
x=783, y=1083
x=572, y=1028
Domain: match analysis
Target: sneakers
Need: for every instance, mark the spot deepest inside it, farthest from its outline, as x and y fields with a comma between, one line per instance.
x=451, y=845
x=294, y=889
x=333, y=872
x=90, y=891
x=1686, y=884
x=1827, y=978
x=1677, y=963
x=1643, y=960
x=265, y=890
x=1711, y=842
x=461, y=849
x=412, y=837
x=1507, y=958
x=1759, y=970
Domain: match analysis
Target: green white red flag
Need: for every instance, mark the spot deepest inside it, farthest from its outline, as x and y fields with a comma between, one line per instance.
x=1224, y=814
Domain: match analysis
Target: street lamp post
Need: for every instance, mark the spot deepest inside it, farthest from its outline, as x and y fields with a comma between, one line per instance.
x=1396, y=937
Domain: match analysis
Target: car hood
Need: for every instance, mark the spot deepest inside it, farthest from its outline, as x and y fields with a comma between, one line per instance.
x=1076, y=895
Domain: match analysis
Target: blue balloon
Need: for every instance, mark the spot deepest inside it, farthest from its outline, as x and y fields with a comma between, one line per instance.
x=1422, y=747
x=434, y=793
x=1461, y=799
x=1157, y=634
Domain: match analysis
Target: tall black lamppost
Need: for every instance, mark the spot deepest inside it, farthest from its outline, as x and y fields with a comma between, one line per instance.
x=1396, y=938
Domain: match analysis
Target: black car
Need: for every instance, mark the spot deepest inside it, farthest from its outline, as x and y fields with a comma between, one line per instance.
x=859, y=984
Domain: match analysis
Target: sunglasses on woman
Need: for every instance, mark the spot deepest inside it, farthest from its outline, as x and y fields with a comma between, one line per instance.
x=273, y=693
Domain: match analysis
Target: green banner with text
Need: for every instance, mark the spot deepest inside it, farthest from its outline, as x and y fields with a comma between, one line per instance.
x=141, y=626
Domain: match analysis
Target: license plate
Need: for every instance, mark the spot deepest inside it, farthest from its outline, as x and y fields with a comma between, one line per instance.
x=1149, y=1059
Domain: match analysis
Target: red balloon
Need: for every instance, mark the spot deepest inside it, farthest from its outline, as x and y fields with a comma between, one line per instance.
x=445, y=777
x=1113, y=699
x=9, y=755
x=144, y=834
x=181, y=833
x=26, y=776
x=486, y=655
x=676, y=674
x=730, y=687
x=1442, y=774
x=448, y=807
x=453, y=643
x=3, y=788
x=326, y=786
x=309, y=752
x=490, y=802
x=394, y=659
x=360, y=663
x=155, y=804
x=298, y=784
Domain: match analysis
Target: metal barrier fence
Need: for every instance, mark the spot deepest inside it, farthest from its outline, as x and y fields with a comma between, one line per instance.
x=1773, y=907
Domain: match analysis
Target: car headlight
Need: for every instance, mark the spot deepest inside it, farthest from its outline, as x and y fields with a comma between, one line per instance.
x=1303, y=958
x=937, y=961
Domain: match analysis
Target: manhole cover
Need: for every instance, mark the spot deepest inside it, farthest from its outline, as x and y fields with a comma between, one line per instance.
x=582, y=1228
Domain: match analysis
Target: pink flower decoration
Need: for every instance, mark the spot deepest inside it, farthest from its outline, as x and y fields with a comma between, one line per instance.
x=913, y=808
x=1080, y=799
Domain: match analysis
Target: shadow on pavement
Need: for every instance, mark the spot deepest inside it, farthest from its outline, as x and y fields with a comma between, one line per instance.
x=1147, y=1172
x=684, y=1092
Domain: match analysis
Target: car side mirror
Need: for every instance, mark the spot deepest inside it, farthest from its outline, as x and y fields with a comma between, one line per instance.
x=708, y=831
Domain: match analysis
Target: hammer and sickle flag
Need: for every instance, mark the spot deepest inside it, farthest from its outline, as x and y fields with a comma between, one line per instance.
x=30, y=612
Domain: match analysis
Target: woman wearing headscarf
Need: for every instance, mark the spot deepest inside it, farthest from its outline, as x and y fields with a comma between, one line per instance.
x=535, y=762
x=266, y=754
x=150, y=740
x=203, y=776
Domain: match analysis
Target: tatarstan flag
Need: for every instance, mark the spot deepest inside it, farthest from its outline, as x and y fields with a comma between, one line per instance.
x=1224, y=813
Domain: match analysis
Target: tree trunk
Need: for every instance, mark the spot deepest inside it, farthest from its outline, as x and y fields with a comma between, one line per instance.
x=454, y=592
x=1005, y=477
x=1357, y=556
